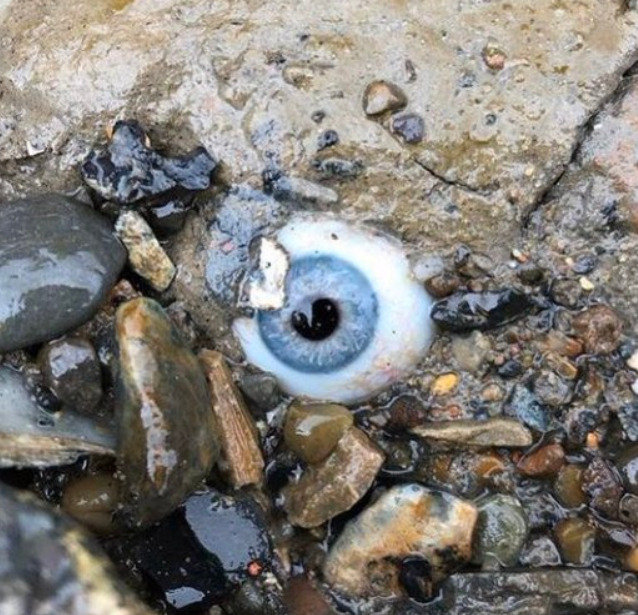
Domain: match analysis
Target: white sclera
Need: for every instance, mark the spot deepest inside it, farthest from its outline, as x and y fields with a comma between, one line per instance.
x=404, y=329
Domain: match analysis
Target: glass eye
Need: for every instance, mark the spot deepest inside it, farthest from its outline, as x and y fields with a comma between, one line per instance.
x=354, y=319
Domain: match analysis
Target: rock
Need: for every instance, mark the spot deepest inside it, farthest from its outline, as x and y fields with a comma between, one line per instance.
x=499, y=431
x=58, y=261
x=471, y=351
x=483, y=310
x=145, y=255
x=510, y=369
x=629, y=508
x=303, y=598
x=540, y=552
x=405, y=412
x=602, y=485
x=445, y=384
x=493, y=57
x=576, y=540
x=51, y=566
x=242, y=458
x=569, y=486
x=71, y=369
x=170, y=217
x=197, y=554
x=551, y=390
x=501, y=531
x=327, y=138
x=257, y=597
x=628, y=417
x=92, y=500
x=407, y=520
x=524, y=405
x=312, y=431
x=599, y=328
x=168, y=437
x=535, y=592
x=33, y=437
x=558, y=342
x=545, y=461
x=410, y=127
x=298, y=189
x=261, y=390
x=627, y=464
x=128, y=170
x=442, y=284
x=382, y=96
x=336, y=484
x=567, y=293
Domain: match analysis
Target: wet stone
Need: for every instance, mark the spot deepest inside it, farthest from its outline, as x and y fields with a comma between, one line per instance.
x=336, y=484
x=523, y=404
x=410, y=127
x=567, y=293
x=629, y=508
x=602, y=485
x=539, y=553
x=128, y=170
x=471, y=351
x=551, y=390
x=261, y=391
x=49, y=565
x=200, y=552
x=568, y=486
x=91, y=500
x=501, y=531
x=405, y=412
x=600, y=329
x=627, y=464
x=499, y=431
x=628, y=417
x=576, y=540
x=382, y=96
x=71, y=369
x=312, y=431
x=480, y=310
x=303, y=598
x=442, y=285
x=169, y=218
x=407, y=520
x=168, y=438
x=546, y=461
x=58, y=261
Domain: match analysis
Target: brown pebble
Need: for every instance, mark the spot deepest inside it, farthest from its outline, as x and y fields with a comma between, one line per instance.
x=405, y=412
x=303, y=598
x=546, y=461
x=492, y=392
x=576, y=540
x=493, y=57
x=91, y=500
x=382, y=96
x=602, y=484
x=569, y=486
x=599, y=328
x=558, y=342
x=442, y=285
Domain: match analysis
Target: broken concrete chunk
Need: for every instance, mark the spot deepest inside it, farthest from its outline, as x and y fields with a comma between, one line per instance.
x=145, y=254
x=264, y=288
x=406, y=521
x=241, y=453
x=335, y=485
x=499, y=431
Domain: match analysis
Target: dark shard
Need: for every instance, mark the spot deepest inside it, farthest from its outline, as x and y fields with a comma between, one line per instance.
x=128, y=170
x=585, y=264
x=327, y=138
x=415, y=576
x=331, y=168
x=169, y=218
x=484, y=310
x=510, y=369
x=410, y=127
x=602, y=484
x=318, y=322
x=201, y=552
x=523, y=405
x=628, y=417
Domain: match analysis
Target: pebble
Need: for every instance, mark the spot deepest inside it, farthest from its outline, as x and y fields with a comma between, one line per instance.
x=407, y=520
x=627, y=464
x=523, y=404
x=600, y=329
x=493, y=57
x=492, y=393
x=445, y=384
x=327, y=138
x=128, y=170
x=71, y=369
x=471, y=351
x=301, y=597
x=628, y=417
x=545, y=461
x=312, y=431
x=241, y=456
x=197, y=554
x=145, y=254
x=568, y=486
x=480, y=310
x=405, y=412
x=558, y=342
x=551, y=390
x=567, y=293
x=498, y=431
x=336, y=484
x=261, y=391
x=295, y=189
x=382, y=96
x=330, y=168
x=442, y=285
x=91, y=500
x=34, y=437
x=602, y=485
x=576, y=541
x=58, y=261
x=410, y=127
x=170, y=217
x=168, y=436
x=540, y=552
x=632, y=361
x=501, y=531
x=629, y=508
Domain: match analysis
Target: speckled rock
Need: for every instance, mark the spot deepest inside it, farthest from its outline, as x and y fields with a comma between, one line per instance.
x=499, y=431
x=168, y=438
x=406, y=520
x=576, y=540
x=58, y=261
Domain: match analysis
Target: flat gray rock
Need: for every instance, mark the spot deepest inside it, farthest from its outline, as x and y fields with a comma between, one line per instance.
x=58, y=261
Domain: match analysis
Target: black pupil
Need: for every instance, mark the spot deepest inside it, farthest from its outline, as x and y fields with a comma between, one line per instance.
x=320, y=323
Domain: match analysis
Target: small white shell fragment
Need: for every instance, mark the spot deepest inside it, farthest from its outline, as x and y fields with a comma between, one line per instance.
x=145, y=254
x=632, y=361
x=265, y=287
x=586, y=284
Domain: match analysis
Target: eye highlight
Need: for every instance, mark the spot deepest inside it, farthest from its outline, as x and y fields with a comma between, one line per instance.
x=354, y=320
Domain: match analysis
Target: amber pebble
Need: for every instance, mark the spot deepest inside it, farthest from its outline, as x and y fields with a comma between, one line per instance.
x=445, y=384
x=313, y=430
x=546, y=461
x=631, y=559
x=569, y=486
x=576, y=540
x=91, y=500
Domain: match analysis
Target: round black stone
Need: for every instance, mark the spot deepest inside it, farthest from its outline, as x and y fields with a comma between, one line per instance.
x=320, y=324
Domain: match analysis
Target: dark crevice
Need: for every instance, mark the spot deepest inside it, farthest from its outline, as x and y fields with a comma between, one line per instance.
x=484, y=192
x=583, y=133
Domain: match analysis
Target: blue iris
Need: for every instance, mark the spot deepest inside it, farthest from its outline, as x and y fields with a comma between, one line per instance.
x=329, y=318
